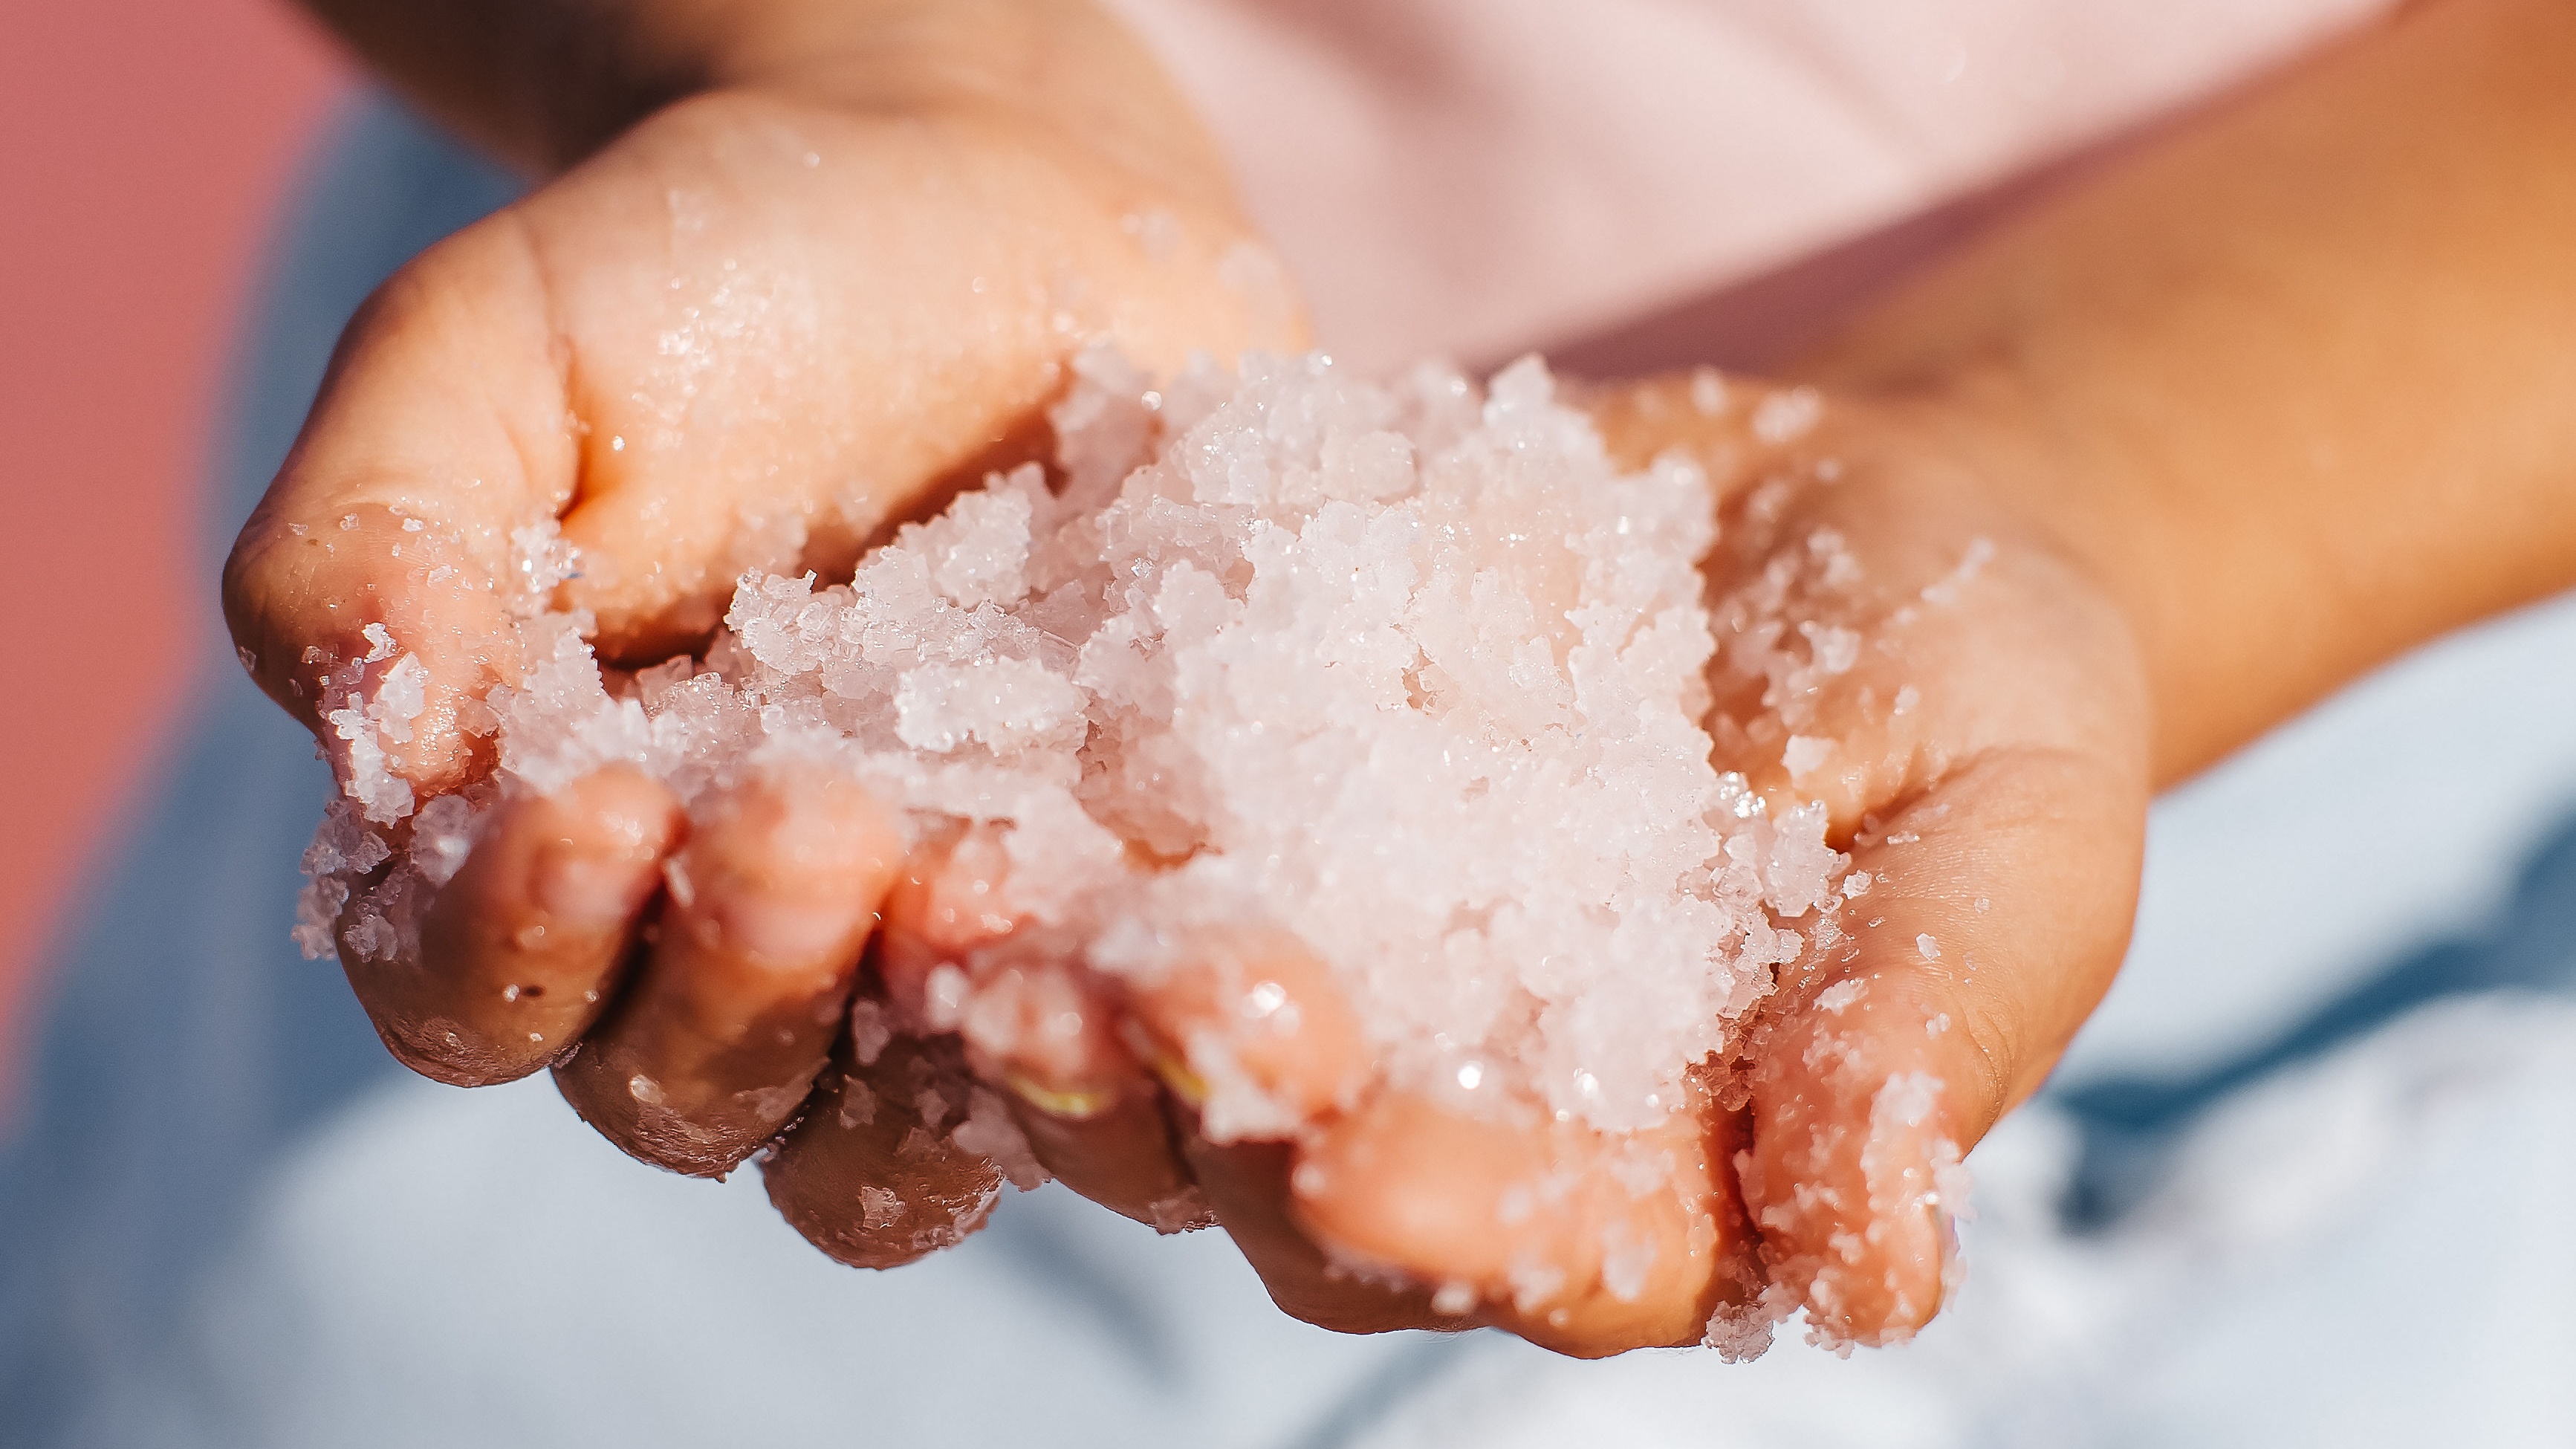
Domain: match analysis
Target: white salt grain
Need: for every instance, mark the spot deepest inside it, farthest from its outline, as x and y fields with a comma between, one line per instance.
x=1409, y=674
x=1708, y=391
x=1625, y=1263
x=1840, y=995
x=1803, y=754
x=1784, y=417
x=871, y=1029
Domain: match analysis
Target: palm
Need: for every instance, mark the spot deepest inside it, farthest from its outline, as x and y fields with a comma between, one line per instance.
x=1896, y=645
x=1972, y=712
x=1966, y=709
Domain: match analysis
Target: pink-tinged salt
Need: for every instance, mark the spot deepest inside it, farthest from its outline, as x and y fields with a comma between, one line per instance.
x=1411, y=672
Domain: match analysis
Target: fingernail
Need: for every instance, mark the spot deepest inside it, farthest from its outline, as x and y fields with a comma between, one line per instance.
x=1185, y=1084
x=1073, y=1105
x=585, y=891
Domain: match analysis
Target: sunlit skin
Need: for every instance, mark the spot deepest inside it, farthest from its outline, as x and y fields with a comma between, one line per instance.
x=2153, y=467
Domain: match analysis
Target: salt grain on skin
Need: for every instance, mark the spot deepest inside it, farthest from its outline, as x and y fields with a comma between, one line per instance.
x=1325, y=615
x=1303, y=641
x=1838, y=997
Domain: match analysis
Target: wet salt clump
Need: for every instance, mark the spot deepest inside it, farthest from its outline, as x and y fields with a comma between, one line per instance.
x=1410, y=674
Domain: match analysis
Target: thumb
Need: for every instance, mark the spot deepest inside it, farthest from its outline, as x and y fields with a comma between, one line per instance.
x=372, y=591
x=1997, y=908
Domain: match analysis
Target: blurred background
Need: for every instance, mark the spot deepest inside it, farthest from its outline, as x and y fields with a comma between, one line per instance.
x=144, y=147
x=2299, y=1181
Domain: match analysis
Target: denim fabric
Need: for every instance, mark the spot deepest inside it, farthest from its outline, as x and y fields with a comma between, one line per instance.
x=182, y=1042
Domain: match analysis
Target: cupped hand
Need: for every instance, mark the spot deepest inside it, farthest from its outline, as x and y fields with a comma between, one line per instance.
x=753, y=332
x=763, y=326
x=1901, y=640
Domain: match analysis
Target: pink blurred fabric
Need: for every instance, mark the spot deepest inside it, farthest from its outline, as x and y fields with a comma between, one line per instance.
x=1473, y=177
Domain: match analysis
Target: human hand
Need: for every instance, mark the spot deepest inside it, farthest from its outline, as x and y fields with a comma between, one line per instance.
x=1966, y=705
x=751, y=332
x=1902, y=639
x=2277, y=397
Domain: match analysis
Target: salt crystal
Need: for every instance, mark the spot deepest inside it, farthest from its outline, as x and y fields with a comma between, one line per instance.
x=1784, y=417
x=1407, y=674
x=871, y=1028
x=1927, y=948
x=372, y=719
x=1803, y=754
x=1156, y=231
x=1834, y=648
x=1185, y=1211
x=442, y=835
x=1708, y=391
x=858, y=1103
x=317, y=913
x=990, y=1131
x=946, y=996
x=1625, y=1263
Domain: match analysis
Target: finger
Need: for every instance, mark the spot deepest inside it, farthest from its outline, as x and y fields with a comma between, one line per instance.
x=1253, y=1033
x=1038, y=1024
x=785, y=324
x=1115, y=1148
x=948, y=902
x=1406, y=1212
x=524, y=946
x=686, y=351
x=1997, y=911
x=1247, y=1186
x=1248, y=1033
x=873, y=1173
x=1738, y=429
x=1587, y=1242
x=1045, y=1030
x=730, y=1019
x=396, y=530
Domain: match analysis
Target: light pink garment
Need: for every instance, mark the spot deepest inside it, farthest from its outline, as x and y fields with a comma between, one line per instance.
x=1474, y=176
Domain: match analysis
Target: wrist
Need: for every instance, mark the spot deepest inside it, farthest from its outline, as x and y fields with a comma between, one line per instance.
x=2103, y=512
x=2244, y=606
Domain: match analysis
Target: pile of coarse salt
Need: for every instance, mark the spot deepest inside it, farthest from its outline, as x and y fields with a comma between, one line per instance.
x=1409, y=671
